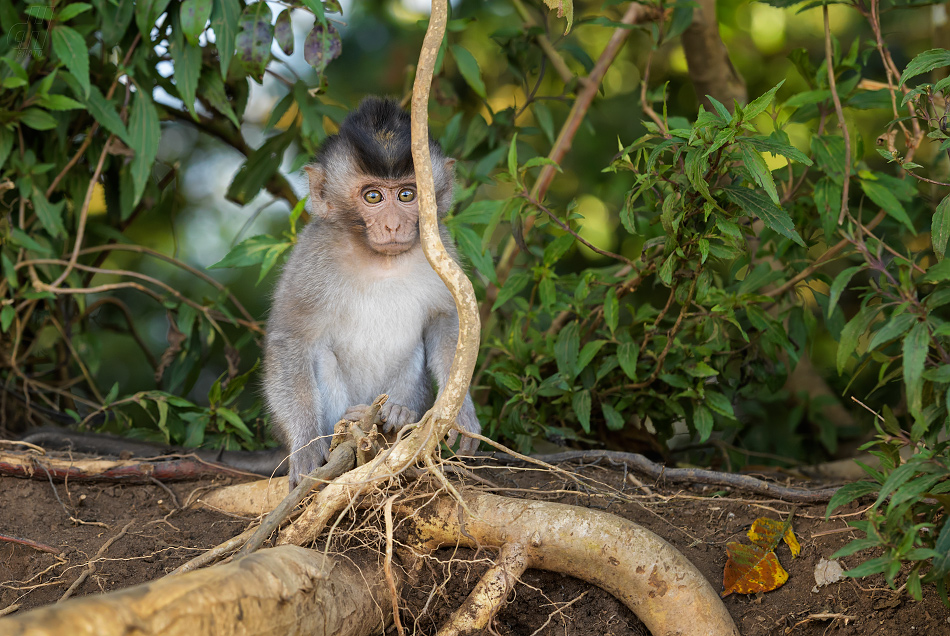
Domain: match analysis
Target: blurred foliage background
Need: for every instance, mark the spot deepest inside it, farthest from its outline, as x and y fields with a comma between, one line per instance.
x=750, y=278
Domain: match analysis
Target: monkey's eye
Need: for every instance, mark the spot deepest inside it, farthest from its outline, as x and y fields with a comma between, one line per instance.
x=373, y=196
x=406, y=195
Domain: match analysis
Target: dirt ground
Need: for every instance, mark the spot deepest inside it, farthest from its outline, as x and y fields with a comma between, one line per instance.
x=128, y=534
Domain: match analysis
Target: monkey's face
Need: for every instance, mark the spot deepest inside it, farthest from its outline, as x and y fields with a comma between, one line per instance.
x=389, y=211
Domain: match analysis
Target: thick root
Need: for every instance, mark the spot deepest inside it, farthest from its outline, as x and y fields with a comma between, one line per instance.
x=280, y=591
x=642, y=570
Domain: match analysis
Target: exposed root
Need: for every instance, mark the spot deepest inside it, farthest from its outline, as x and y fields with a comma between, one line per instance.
x=639, y=568
x=91, y=567
x=490, y=592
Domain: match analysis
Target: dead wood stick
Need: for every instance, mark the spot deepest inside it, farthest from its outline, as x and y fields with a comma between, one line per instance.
x=42, y=547
x=25, y=464
x=341, y=460
x=659, y=472
x=91, y=567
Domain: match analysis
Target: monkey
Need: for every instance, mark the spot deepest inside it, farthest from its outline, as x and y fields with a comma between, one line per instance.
x=358, y=311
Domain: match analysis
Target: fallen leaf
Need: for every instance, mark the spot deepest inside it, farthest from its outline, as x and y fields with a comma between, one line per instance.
x=827, y=572
x=755, y=568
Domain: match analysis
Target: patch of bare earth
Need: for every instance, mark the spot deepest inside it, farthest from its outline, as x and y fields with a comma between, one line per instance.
x=84, y=524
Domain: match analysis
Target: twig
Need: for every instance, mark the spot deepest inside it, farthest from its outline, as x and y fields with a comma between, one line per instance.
x=91, y=567
x=83, y=214
x=839, y=111
x=640, y=463
x=42, y=547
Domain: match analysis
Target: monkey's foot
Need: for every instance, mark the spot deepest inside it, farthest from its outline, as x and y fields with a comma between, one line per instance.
x=391, y=416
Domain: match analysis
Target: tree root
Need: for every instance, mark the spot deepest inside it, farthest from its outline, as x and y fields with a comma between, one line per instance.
x=280, y=591
x=639, y=568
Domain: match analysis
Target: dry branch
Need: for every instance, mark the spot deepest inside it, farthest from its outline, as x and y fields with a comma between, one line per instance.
x=27, y=464
x=281, y=591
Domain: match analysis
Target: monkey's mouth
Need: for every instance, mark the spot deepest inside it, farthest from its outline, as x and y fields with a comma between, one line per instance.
x=391, y=248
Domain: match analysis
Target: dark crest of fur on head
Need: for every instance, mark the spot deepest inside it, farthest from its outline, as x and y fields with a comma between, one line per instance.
x=377, y=135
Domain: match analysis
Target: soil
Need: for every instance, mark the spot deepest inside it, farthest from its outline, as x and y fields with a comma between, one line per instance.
x=77, y=521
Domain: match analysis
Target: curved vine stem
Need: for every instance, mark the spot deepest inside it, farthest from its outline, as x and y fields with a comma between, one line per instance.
x=449, y=403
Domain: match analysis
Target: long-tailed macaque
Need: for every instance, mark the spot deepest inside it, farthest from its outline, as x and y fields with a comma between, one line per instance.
x=358, y=310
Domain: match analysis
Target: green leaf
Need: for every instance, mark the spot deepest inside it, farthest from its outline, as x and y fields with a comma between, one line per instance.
x=37, y=119
x=515, y=283
x=614, y=419
x=852, y=331
x=471, y=246
x=882, y=196
x=557, y=248
x=916, y=346
x=234, y=420
x=194, y=16
x=104, y=112
x=146, y=15
x=755, y=204
x=939, y=226
x=760, y=172
x=211, y=87
x=224, y=22
x=701, y=370
x=260, y=249
x=187, y=59
x=696, y=166
x=144, y=136
x=581, y=405
x=838, y=286
x=778, y=144
x=924, y=63
x=49, y=214
x=759, y=104
x=566, y=349
x=611, y=309
x=848, y=493
x=59, y=102
x=588, y=351
x=897, y=326
x=70, y=11
x=628, y=354
x=71, y=49
x=938, y=272
x=827, y=195
x=6, y=144
x=829, y=154
x=6, y=317
x=513, y=158
x=468, y=67
x=719, y=403
x=703, y=422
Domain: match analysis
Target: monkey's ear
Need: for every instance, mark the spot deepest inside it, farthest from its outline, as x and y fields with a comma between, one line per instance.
x=450, y=167
x=317, y=177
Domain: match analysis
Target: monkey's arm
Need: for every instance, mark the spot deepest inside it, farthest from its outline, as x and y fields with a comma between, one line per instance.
x=299, y=389
x=441, y=338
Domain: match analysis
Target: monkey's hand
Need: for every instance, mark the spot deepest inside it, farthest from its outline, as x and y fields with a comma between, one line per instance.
x=391, y=416
x=467, y=421
x=306, y=459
